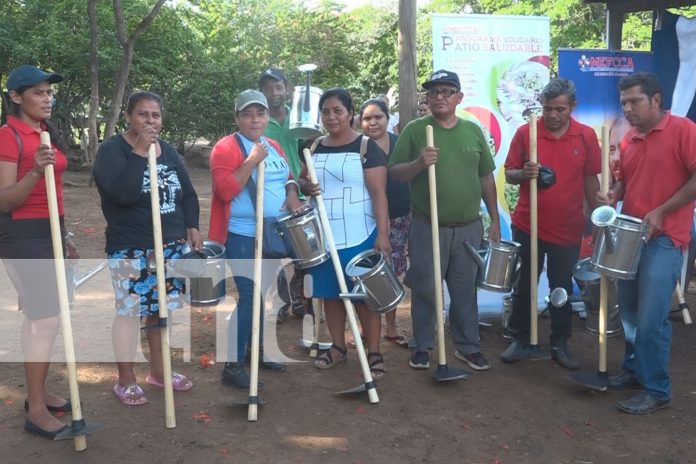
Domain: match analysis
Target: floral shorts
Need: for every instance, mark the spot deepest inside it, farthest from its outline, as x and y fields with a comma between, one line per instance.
x=398, y=238
x=135, y=286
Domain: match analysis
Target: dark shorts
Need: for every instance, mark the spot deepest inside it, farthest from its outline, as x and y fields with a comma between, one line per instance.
x=26, y=250
x=135, y=287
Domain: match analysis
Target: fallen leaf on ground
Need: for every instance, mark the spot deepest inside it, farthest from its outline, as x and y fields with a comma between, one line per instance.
x=8, y=402
x=569, y=432
x=202, y=417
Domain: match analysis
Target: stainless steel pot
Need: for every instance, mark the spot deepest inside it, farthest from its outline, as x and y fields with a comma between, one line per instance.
x=588, y=280
x=376, y=282
x=498, y=263
x=307, y=237
x=210, y=290
x=617, y=253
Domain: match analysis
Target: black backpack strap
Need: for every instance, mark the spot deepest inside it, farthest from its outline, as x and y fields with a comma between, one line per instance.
x=18, y=139
x=250, y=185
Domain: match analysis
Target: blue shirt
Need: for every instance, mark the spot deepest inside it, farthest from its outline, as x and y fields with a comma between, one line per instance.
x=243, y=216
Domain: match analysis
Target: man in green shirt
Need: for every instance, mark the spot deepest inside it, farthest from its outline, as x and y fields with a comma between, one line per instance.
x=464, y=169
x=274, y=86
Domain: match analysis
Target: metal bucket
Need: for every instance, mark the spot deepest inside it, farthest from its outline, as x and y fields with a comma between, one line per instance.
x=307, y=237
x=588, y=279
x=209, y=290
x=620, y=257
x=499, y=265
x=305, y=117
x=376, y=282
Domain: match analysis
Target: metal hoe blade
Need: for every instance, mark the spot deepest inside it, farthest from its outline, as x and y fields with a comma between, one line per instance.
x=445, y=373
x=598, y=381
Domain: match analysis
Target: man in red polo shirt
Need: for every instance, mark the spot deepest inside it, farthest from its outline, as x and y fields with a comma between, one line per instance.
x=571, y=150
x=657, y=182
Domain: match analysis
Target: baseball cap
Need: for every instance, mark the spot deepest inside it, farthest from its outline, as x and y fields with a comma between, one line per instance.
x=272, y=73
x=28, y=75
x=250, y=97
x=442, y=76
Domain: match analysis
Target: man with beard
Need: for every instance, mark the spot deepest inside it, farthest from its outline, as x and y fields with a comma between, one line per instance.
x=571, y=151
x=274, y=85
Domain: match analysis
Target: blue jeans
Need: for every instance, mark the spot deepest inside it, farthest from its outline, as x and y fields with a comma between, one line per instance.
x=239, y=251
x=644, y=305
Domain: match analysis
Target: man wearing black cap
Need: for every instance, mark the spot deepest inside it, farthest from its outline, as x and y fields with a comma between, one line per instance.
x=464, y=169
x=274, y=86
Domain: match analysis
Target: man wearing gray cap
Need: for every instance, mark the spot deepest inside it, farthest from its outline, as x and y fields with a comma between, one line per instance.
x=464, y=169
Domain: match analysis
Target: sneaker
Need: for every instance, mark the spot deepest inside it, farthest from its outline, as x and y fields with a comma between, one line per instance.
x=476, y=361
x=419, y=360
x=562, y=356
x=235, y=374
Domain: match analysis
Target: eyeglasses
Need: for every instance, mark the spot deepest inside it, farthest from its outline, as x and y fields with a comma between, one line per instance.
x=445, y=92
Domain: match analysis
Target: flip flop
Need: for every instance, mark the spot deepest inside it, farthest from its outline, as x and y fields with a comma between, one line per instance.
x=180, y=382
x=131, y=395
x=377, y=367
x=399, y=340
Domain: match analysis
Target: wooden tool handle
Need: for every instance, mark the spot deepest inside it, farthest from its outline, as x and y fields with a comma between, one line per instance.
x=437, y=273
x=533, y=237
x=252, y=412
x=80, y=442
x=169, y=413
x=347, y=304
x=604, y=280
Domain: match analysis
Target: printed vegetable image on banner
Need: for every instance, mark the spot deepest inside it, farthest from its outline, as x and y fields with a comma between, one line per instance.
x=502, y=63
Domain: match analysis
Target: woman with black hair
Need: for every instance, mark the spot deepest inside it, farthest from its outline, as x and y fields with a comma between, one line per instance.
x=25, y=234
x=121, y=175
x=353, y=182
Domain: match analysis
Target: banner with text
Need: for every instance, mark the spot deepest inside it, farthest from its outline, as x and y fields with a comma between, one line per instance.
x=596, y=74
x=503, y=63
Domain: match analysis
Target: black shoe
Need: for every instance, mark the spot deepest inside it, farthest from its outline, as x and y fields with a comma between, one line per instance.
x=562, y=356
x=236, y=375
x=624, y=381
x=642, y=403
x=31, y=427
x=67, y=407
x=283, y=314
x=477, y=361
x=419, y=360
x=522, y=351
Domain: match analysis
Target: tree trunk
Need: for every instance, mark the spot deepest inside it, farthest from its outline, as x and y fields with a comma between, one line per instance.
x=93, y=140
x=408, y=99
x=128, y=45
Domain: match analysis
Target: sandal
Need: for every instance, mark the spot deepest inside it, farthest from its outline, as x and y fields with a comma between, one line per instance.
x=399, y=340
x=131, y=395
x=377, y=367
x=326, y=359
x=180, y=382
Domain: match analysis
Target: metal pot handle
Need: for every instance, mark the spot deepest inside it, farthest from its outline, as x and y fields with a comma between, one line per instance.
x=358, y=293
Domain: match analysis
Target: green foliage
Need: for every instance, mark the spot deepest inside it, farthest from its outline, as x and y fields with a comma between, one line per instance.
x=200, y=54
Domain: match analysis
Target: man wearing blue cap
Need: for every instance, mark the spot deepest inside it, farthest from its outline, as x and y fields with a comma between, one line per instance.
x=464, y=169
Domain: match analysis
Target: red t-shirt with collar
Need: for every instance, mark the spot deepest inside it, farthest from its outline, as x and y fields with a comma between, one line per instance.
x=573, y=156
x=654, y=166
x=36, y=204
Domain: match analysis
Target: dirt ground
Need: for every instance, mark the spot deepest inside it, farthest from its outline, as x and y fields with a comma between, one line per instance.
x=521, y=413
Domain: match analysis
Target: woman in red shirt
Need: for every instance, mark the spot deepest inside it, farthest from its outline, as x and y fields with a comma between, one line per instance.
x=25, y=234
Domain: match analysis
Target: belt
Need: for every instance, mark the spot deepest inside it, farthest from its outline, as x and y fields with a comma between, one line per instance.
x=451, y=225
